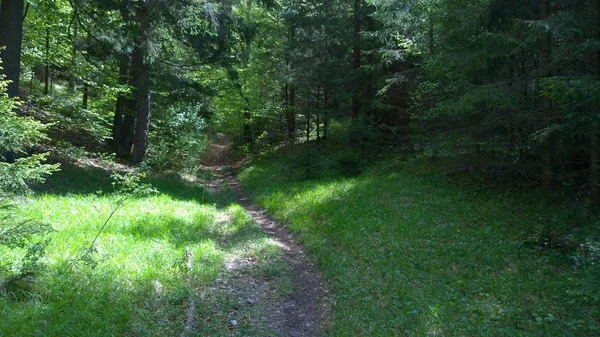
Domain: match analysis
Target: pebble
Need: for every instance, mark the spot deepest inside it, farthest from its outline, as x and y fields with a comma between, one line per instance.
x=233, y=322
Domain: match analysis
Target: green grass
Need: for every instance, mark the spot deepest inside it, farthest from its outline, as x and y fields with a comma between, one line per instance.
x=134, y=284
x=413, y=253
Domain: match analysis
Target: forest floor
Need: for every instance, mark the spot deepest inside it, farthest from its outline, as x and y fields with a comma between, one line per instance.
x=304, y=313
x=187, y=261
x=408, y=250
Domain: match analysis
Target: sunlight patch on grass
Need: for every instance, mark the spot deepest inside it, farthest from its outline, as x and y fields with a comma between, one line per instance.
x=133, y=281
x=141, y=249
x=414, y=255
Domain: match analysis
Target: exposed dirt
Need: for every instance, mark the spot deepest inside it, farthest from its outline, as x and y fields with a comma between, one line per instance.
x=305, y=312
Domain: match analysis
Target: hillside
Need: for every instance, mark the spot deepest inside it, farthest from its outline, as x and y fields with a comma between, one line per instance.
x=411, y=251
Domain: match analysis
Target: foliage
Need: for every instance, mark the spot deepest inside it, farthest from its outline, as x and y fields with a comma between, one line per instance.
x=178, y=138
x=489, y=94
x=22, y=245
x=17, y=134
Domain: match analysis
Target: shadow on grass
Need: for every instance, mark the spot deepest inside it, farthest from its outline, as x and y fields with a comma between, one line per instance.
x=176, y=231
x=136, y=285
x=413, y=253
x=74, y=180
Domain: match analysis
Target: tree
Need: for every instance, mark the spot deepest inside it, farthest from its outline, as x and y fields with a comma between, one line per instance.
x=11, y=38
x=142, y=86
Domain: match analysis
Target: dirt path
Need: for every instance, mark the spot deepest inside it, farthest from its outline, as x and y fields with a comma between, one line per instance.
x=305, y=312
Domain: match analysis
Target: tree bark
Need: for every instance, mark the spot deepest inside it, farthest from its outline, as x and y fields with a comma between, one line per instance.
x=545, y=71
x=370, y=85
x=594, y=157
x=356, y=59
x=325, y=113
x=318, y=113
x=594, y=137
x=308, y=115
x=247, y=132
x=129, y=106
x=140, y=145
x=74, y=45
x=119, y=105
x=142, y=127
x=11, y=37
x=86, y=94
x=291, y=113
x=47, y=61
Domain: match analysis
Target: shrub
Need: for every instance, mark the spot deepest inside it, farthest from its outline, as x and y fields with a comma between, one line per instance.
x=178, y=138
x=17, y=242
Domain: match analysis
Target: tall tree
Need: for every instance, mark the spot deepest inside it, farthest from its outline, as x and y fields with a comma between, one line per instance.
x=594, y=131
x=356, y=57
x=11, y=38
x=545, y=71
x=143, y=84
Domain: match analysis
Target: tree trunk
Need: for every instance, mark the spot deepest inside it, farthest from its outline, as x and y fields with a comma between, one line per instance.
x=595, y=141
x=129, y=106
x=31, y=80
x=127, y=128
x=47, y=61
x=286, y=107
x=11, y=37
x=356, y=59
x=119, y=105
x=52, y=84
x=370, y=85
x=142, y=127
x=431, y=36
x=434, y=147
x=74, y=45
x=548, y=146
x=318, y=112
x=308, y=115
x=247, y=132
x=291, y=113
x=325, y=114
x=594, y=157
x=86, y=92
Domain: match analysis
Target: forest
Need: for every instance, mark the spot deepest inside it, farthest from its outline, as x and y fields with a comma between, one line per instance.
x=299, y=168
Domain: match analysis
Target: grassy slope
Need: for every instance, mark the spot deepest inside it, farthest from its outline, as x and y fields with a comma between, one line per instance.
x=135, y=284
x=413, y=254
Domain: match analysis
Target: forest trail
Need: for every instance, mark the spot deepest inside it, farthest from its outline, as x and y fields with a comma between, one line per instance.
x=305, y=313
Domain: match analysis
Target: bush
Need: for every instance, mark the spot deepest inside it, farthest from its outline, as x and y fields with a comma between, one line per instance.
x=178, y=138
x=22, y=244
x=20, y=251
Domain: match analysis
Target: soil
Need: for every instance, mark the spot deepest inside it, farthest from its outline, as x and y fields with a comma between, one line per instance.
x=305, y=312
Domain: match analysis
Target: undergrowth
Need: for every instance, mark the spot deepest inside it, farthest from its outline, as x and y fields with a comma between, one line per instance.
x=412, y=251
x=132, y=282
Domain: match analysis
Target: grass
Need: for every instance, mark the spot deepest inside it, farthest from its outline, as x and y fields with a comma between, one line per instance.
x=411, y=252
x=134, y=282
